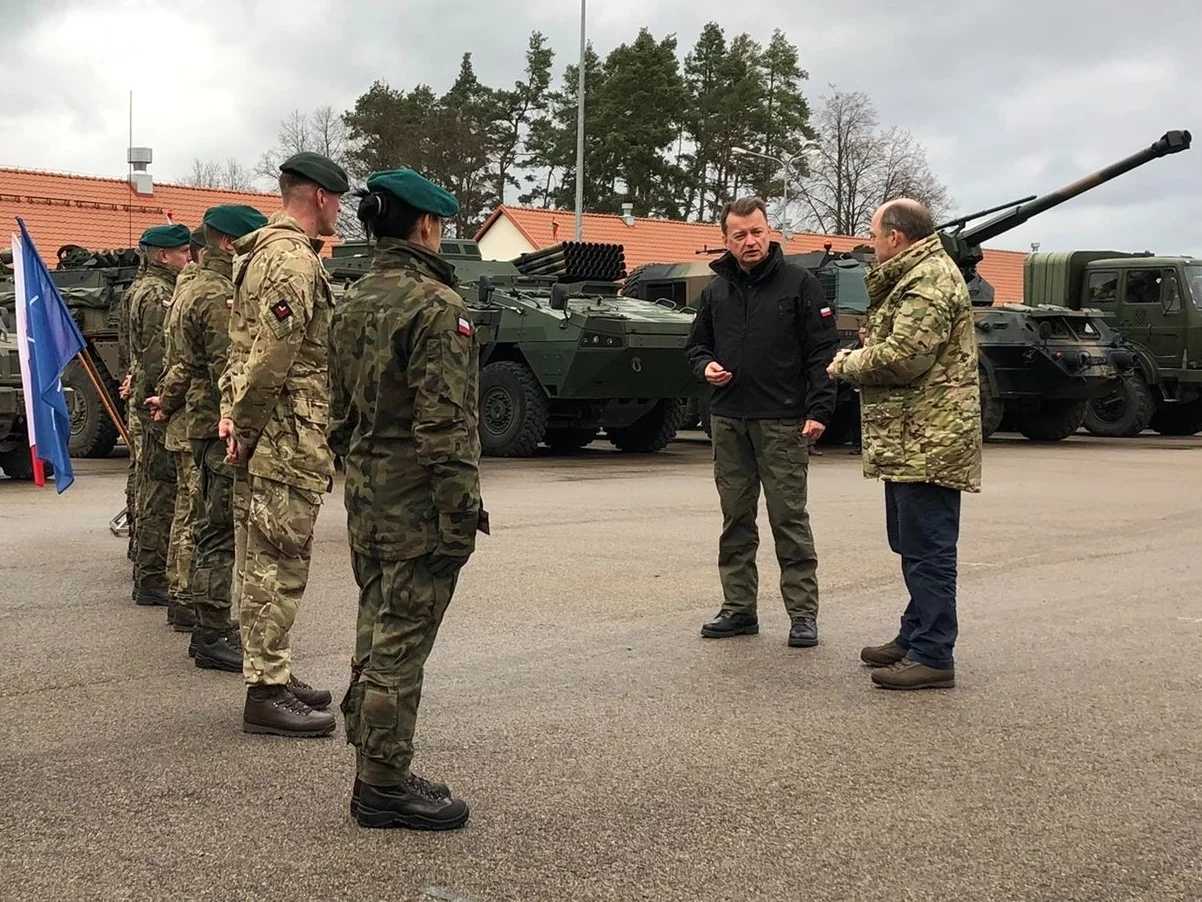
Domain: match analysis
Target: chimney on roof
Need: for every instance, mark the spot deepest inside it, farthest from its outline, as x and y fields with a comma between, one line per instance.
x=628, y=214
x=139, y=179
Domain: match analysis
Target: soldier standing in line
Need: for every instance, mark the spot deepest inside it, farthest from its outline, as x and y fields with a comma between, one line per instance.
x=155, y=501
x=125, y=367
x=275, y=426
x=197, y=246
x=189, y=394
x=179, y=550
x=403, y=378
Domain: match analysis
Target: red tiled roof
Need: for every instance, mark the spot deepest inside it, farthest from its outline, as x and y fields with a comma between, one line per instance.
x=105, y=213
x=652, y=240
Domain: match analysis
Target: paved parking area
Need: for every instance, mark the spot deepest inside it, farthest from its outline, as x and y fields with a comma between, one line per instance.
x=610, y=753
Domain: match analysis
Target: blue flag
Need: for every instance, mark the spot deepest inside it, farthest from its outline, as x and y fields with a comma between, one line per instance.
x=48, y=341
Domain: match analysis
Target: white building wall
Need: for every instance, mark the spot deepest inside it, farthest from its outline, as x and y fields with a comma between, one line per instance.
x=503, y=241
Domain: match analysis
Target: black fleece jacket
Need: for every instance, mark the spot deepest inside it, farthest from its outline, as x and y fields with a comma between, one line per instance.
x=773, y=329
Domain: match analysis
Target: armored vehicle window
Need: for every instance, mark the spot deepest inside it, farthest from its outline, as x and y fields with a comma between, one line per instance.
x=1143, y=287
x=1193, y=278
x=1104, y=287
x=1172, y=293
x=674, y=291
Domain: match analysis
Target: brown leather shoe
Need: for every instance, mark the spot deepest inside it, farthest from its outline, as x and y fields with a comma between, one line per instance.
x=275, y=710
x=882, y=655
x=314, y=698
x=907, y=674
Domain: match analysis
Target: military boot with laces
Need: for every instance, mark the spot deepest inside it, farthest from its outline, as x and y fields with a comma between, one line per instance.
x=218, y=649
x=314, y=698
x=440, y=789
x=415, y=805
x=275, y=710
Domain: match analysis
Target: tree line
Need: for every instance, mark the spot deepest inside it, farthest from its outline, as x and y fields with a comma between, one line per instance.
x=674, y=136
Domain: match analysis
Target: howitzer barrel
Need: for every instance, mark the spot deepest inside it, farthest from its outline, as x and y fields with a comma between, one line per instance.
x=1170, y=142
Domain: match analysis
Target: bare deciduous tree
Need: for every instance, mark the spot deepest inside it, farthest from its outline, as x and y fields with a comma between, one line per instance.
x=232, y=176
x=857, y=166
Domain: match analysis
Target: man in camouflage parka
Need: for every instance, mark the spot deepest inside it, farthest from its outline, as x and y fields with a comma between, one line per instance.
x=921, y=420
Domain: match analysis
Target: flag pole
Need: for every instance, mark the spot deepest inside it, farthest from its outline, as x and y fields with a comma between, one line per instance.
x=93, y=374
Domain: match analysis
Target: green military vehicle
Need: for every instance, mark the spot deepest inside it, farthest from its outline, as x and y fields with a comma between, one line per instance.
x=1156, y=303
x=92, y=284
x=565, y=355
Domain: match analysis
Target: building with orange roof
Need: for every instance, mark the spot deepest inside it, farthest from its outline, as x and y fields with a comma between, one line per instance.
x=511, y=231
x=105, y=213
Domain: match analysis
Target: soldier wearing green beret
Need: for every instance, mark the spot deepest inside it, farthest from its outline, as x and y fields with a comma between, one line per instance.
x=275, y=408
x=148, y=301
x=188, y=394
x=403, y=378
x=197, y=246
x=131, y=417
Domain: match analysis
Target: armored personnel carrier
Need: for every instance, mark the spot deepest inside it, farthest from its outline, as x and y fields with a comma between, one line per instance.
x=564, y=355
x=92, y=284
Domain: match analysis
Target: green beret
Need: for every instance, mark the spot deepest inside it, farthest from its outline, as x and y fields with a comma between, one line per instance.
x=234, y=220
x=198, y=236
x=317, y=168
x=415, y=190
x=167, y=236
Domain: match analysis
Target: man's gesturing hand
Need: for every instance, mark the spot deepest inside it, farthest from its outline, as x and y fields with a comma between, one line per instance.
x=716, y=375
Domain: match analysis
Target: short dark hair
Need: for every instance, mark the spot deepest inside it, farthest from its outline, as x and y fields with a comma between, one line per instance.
x=384, y=215
x=291, y=184
x=909, y=217
x=743, y=206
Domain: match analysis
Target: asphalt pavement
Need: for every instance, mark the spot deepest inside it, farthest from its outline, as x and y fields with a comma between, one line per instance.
x=607, y=750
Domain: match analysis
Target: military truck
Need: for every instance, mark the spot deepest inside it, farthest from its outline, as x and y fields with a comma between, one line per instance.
x=565, y=356
x=1156, y=303
x=92, y=284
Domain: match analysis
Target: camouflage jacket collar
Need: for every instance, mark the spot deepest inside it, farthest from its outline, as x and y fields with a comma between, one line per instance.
x=162, y=273
x=218, y=261
x=279, y=221
x=394, y=253
x=882, y=279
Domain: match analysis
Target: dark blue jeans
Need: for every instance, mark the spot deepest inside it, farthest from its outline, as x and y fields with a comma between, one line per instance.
x=923, y=522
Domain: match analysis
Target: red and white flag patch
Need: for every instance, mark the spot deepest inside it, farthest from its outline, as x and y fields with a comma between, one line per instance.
x=826, y=311
x=465, y=328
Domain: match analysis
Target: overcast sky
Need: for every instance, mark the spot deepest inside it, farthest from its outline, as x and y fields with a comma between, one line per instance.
x=1010, y=97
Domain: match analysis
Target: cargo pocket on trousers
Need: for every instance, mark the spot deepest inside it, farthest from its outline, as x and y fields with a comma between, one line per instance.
x=378, y=720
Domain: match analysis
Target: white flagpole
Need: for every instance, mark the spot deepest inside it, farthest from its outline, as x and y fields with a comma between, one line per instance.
x=23, y=349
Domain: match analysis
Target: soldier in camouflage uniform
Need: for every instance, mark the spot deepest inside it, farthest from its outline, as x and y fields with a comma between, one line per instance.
x=189, y=395
x=274, y=425
x=921, y=420
x=155, y=491
x=179, y=550
x=403, y=379
x=125, y=366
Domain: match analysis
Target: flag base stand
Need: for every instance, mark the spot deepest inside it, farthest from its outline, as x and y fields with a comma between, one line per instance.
x=119, y=525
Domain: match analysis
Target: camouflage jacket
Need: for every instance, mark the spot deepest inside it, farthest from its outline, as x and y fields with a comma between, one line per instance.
x=920, y=396
x=404, y=364
x=148, y=303
x=278, y=378
x=199, y=334
x=177, y=436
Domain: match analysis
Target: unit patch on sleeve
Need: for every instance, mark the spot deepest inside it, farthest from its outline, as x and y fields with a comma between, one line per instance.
x=465, y=328
x=281, y=310
x=826, y=311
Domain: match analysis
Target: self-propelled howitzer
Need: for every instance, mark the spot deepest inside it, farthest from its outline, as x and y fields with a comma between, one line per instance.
x=1040, y=366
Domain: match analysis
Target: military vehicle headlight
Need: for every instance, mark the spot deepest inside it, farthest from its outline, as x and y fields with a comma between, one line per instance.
x=601, y=340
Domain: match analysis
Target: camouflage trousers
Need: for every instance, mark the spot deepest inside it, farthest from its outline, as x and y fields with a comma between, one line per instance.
x=180, y=550
x=213, y=558
x=401, y=606
x=279, y=545
x=774, y=454
x=241, y=512
x=134, y=428
x=156, y=509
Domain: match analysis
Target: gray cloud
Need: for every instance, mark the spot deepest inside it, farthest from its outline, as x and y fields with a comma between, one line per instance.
x=1009, y=99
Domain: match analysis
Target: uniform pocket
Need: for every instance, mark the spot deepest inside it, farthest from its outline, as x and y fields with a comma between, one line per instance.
x=885, y=427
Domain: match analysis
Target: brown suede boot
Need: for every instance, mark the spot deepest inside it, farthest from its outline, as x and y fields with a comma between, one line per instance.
x=882, y=655
x=907, y=674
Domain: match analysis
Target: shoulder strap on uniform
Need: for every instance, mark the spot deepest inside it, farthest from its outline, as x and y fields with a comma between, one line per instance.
x=242, y=264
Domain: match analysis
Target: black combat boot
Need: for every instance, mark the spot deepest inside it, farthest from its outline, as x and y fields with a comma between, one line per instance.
x=439, y=789
x=217, y=649
x=804, y=633
x=182, y=618
x=416, y=805
x=275, y=710
x=314, y=698
x=731, y=623
x=148, y=599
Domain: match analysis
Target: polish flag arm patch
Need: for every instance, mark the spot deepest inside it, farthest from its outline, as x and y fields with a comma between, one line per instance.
x=464, y=327
x=826, y=311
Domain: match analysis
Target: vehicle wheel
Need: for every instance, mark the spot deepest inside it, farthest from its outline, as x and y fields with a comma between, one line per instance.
x=993, y=409
x=93, y=433
x=652, y=431
x=1124, y=412
x=571, y=439
x=1052, y=421
x=513, y=410
x=1178, y=419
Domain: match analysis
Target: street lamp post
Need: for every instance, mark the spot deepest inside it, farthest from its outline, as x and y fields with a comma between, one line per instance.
x=580, y=136
x=786, y=164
